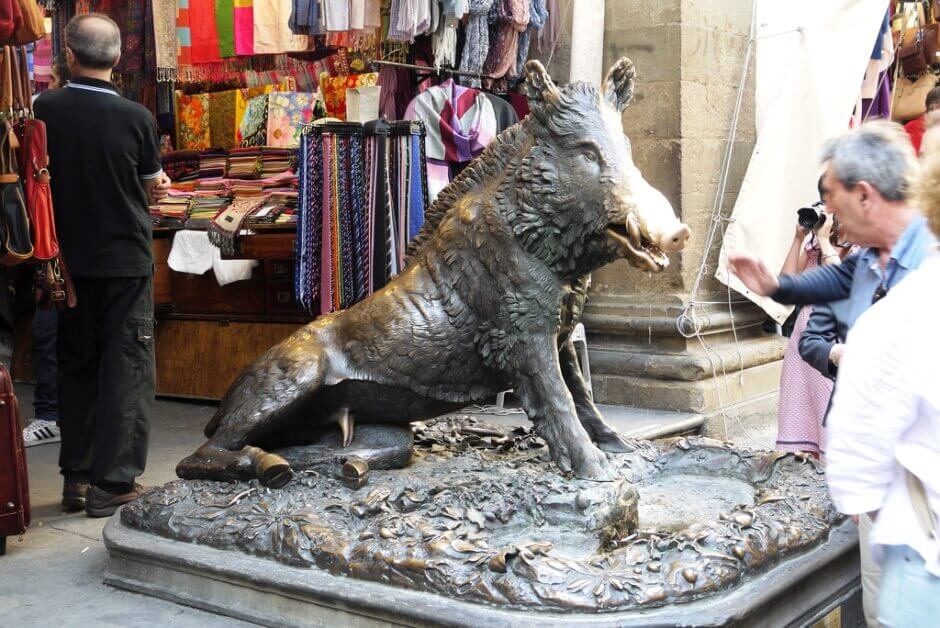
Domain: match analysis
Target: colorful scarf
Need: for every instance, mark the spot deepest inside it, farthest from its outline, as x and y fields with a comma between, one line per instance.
x=192, y=117
x=184, y=39
x=222, y=123
x=224, y=228
x=460, y=121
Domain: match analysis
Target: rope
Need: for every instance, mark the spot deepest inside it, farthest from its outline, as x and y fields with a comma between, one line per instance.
x=693, y=319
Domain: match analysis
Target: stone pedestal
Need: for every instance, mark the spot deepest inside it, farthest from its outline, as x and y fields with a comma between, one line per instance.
x=689, y=57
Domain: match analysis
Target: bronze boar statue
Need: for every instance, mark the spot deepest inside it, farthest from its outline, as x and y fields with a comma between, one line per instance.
x=488, y=302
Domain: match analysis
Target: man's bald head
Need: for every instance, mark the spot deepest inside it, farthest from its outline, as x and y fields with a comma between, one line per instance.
x=95, y=41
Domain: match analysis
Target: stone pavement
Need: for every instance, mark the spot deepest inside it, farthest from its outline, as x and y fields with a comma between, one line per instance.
x=52, y=575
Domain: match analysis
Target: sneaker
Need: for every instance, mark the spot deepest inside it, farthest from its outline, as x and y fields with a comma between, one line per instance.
x=73, y=495
x=101, y=503
x=41, y=432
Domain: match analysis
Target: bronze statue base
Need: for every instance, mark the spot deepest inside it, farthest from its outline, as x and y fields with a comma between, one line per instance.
x=482, y=520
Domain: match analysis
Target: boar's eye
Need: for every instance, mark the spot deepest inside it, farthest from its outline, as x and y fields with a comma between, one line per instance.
x=591, y=151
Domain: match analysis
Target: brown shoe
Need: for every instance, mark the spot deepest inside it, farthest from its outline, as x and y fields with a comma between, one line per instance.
x=101, y=503
x=73, y=495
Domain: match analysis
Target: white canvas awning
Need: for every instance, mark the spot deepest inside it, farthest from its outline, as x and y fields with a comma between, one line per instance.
x=807, y=85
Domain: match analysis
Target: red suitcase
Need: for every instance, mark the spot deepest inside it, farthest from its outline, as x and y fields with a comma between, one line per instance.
x=14, y=484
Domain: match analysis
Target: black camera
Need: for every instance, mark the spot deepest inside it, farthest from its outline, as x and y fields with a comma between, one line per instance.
x=811, y=217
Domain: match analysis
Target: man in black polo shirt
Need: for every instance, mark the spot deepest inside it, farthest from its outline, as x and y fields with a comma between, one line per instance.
x=105, y=166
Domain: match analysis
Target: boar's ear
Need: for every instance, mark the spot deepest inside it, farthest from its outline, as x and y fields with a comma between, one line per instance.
x=538, y=84
x=618, y=86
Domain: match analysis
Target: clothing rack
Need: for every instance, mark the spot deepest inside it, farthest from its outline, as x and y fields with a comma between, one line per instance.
x=437, y=69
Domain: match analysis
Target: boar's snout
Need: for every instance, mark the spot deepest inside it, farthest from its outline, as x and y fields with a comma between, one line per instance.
x=675, y=241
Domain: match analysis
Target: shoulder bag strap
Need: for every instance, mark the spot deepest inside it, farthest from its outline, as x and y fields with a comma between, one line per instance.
x=925, y=516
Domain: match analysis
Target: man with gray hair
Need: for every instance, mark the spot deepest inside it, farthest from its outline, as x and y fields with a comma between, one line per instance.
x=865, y=186
x=106, y=169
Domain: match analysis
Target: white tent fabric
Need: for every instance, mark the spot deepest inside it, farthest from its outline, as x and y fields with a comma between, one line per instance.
x=806, y=87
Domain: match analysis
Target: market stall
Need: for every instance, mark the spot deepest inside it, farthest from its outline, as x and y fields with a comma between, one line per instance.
x=305, y=141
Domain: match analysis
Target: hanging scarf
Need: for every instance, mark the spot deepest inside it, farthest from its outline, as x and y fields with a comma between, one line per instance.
x=244, y=27
x=205, y=34
x=164, y=32
x=225, y=26
x=477, y=44
x=507, y=19
x=538, y=13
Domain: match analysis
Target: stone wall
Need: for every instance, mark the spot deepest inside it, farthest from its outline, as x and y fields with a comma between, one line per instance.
x=689, y=57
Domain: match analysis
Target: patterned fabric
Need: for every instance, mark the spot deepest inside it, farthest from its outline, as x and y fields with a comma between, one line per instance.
x=222, y=123
x=193, y=122
x=513, y=16
x=287, y=112
x=254, y=122
x=477, y=44
x=333, y=90
x=42, y=60
x=460, y=121
x=244, y=27
x=804, y=391
x=225, y=25
x=224, y=228
x=243, y=98
x=165, y=33
x=361, y=196
x=184, y=39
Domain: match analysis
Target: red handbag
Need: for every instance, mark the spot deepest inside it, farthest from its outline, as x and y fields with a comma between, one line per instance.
x=11, y=19
x=33, y=160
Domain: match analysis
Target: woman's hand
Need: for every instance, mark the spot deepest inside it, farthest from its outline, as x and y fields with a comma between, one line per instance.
x=825, y=229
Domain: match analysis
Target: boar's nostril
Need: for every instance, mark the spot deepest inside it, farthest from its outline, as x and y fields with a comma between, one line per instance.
x=676, y=240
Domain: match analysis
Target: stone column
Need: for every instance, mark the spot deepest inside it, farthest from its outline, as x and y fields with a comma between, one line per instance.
x=689, y=57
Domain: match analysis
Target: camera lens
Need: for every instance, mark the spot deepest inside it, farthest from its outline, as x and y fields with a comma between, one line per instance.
x=808, y=217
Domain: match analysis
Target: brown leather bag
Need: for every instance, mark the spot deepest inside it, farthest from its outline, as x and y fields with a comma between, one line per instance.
x=14, y=481
x=53, y=286
x=33, y=27
x=917, y=49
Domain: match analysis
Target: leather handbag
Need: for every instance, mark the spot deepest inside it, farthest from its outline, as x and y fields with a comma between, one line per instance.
x=15, y=245
x=917, y=49
x=53, y=286
x=6, y=80
x=14, y=480
x=910, y=97
x=33, y=160
x=32, y=25
x=10, y=19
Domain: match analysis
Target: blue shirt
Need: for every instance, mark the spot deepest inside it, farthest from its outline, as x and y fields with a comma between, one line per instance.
x=859, y=275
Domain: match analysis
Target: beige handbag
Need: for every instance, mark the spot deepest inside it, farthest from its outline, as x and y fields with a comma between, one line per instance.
x=910, y=97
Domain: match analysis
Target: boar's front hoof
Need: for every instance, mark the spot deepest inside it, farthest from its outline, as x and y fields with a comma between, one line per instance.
x=615, y=443
x=274, y=471
x=595, y=468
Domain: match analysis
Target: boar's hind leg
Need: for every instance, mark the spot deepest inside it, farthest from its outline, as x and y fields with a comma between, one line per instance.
x=549, y=405
x=258, y=403
x=602, y=433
